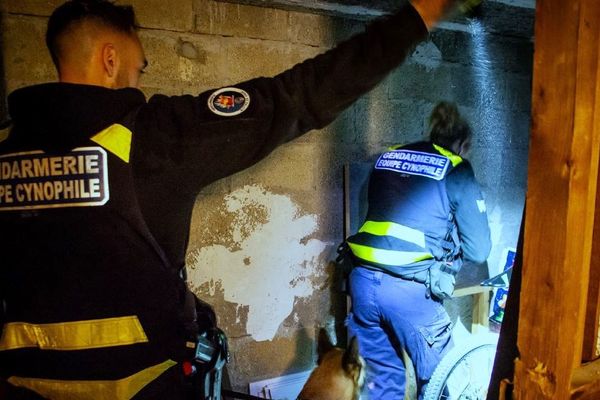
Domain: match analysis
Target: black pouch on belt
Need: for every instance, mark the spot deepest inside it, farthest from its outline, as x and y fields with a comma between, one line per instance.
x=442, y=279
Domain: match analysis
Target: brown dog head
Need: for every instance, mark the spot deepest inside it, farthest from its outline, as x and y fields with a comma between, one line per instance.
x=339, y=374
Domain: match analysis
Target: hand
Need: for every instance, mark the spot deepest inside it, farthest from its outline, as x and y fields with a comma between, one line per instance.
x=432, y=11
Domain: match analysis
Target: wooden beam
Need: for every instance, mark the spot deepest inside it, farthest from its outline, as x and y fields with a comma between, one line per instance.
x=590, y=337
x=592, y=319
x=586, y=381
x=563, y=171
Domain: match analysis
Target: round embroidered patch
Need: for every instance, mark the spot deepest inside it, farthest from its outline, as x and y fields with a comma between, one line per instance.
x=229, y=101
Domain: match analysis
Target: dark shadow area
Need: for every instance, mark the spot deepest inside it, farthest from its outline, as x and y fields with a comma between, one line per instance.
x=507, y=350
x=3, y=94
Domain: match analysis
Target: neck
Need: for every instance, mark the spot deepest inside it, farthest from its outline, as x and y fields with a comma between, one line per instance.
x=76, y=77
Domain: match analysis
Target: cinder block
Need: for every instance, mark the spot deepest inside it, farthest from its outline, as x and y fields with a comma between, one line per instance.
x=249, y=21
x=219, y=61
x=487, y=166
x=290, y=166
x=234, y=60
x=210, y=225
x=320, y=30
x=167, y=69
x=30, y=7
x=498, y=129
x=26, y=59
x=173, y=15
x=416, y=81
x=331, y=217
x=176, y=15
x=511, y=54
x=387, y=122
x=227, y=19
x=485, y=50
x=293, y=352
x=517, y=92
x=515, y=172
x=341, y=130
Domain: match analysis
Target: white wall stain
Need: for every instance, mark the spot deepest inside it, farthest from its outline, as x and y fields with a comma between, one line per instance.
x=273, y=265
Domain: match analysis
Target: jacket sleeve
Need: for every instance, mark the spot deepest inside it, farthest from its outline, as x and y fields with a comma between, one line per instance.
x=468, y=206
x=184, y=132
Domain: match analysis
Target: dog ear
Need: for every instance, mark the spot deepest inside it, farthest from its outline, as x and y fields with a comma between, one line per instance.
x=324, y=344
x=351, y=358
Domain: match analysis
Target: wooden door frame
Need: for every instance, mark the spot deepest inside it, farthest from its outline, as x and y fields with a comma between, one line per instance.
x=558, y=303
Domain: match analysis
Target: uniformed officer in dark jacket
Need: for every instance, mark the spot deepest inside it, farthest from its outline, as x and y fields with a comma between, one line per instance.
x=97, y=187
x=425, y=216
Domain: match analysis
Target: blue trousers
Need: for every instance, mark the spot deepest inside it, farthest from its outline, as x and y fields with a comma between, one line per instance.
x=390, y=314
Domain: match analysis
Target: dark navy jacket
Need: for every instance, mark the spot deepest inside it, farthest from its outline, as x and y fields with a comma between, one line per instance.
x=418, y=194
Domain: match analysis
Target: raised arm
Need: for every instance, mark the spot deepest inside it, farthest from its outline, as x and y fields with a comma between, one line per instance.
x=265, y=112
x=432, y=11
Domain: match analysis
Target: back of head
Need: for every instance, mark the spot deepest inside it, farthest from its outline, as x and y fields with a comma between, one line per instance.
x=74, y=13
x=447, y=128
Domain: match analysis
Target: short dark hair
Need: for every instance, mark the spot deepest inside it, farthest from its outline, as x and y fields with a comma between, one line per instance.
x=446, y=126
x=104, y=12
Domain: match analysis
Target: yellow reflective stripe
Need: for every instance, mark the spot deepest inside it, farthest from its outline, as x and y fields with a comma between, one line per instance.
x=396, y=230
x=122, y=389
x=387, y=257
x=77, y=335
x=454, y=158
x=116, y=139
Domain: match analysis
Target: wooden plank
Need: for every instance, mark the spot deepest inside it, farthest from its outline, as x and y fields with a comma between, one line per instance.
x=469, y=290
x=481, y=311
x=563, y=170
x=590, y=337
x=592, y=319
x=585, y=384
x=586, y=379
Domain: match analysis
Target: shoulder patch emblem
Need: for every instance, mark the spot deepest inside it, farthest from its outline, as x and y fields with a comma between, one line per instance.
x=229, y=101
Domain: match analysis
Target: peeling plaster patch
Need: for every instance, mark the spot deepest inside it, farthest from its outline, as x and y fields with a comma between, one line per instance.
x=272, y=267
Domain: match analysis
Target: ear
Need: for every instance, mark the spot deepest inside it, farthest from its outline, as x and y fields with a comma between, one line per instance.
x=110, y=60
x=351, y=356
x=324, y=344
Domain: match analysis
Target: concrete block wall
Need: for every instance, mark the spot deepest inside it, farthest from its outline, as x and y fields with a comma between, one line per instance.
x=262, y=241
